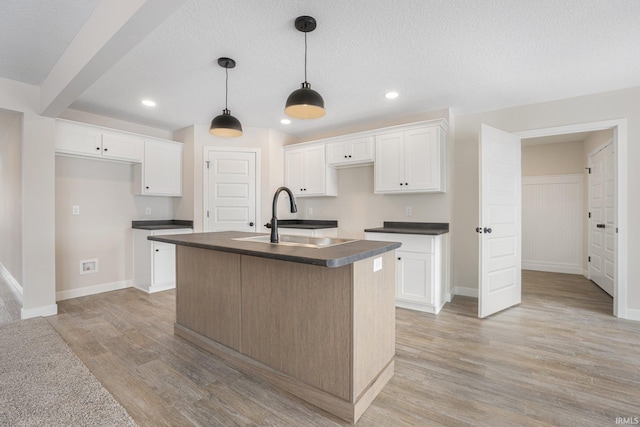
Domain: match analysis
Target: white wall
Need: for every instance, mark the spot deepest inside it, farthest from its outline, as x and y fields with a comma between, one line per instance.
x=38, y=200
x=585, y=109
x=10, y=193
x=103, y=192
x=553, y=159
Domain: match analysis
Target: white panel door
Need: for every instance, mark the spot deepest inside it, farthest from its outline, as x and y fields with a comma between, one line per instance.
x=231, y=180
x=500, y=221
x=601, y=222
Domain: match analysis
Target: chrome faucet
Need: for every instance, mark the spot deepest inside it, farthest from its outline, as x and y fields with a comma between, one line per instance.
x=274, y=220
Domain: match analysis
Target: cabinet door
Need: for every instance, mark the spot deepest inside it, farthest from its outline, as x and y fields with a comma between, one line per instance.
x=338, y=153
x=164, y=264
x=294, y=171
x=122, y=146
x=414, y=282
x=162, y=168
x=422, y=159
x=361, y=149
x=80, y=140
x=314, y=170
x=389, y=163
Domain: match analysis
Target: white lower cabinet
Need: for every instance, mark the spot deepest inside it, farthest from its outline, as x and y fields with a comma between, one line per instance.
x=422, y=272
x=154, y=263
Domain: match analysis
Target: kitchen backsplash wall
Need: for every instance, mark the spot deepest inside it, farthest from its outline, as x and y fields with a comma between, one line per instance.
x=357, y=207
x=102, y=229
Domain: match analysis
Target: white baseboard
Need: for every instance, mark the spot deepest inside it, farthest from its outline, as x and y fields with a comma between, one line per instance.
x=632, y=314
x=426, y=308
x=585, y=273
x=466, y=292
x=47, y=310
x=92, y=290
x=8, y=277
x=157, y=288
x=552, y=267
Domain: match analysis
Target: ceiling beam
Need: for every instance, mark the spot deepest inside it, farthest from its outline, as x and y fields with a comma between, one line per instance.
x=112, y=30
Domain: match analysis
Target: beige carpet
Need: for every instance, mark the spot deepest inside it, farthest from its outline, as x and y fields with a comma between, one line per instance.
x=43, y=383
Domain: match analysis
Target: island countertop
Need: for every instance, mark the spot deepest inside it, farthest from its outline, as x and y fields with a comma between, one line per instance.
x=333, y=256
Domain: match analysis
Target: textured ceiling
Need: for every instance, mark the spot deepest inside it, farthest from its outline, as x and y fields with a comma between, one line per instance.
x=34, y=33
x=465, y=54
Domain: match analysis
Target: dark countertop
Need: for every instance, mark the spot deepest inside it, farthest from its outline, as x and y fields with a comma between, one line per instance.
x=334, y=256
x=161, y=224
x=427, y=228
x=307, y=224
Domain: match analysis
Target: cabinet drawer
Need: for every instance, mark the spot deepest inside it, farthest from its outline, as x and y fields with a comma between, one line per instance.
x=410, y=242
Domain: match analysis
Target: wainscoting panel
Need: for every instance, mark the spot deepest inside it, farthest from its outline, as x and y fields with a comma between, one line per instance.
x=552, y=219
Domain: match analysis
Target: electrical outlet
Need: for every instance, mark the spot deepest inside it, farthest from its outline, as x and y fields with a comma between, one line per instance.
x=377, y=264
x=148, y=211
x=76, y=210
x=310, y=211
x=407, y=211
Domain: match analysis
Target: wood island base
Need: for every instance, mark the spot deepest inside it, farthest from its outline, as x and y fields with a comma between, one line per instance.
x=325, y=335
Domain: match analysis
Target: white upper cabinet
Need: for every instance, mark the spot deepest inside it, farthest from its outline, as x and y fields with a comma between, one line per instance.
x=78, y=139
x=122, y=146
x=351, y=152
x=307, y=172
x=410, y=161
x=160, y=174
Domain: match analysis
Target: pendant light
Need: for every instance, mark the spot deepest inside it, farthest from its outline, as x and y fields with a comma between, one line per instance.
x=305, y=103
x=226, y=125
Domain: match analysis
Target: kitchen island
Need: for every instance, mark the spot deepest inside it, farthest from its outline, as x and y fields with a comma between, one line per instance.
x=317, y=322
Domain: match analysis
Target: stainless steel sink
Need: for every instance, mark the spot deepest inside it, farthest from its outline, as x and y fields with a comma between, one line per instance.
x=302, y=241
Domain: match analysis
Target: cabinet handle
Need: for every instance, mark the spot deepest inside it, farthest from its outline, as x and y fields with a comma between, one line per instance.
x=146, y=188
x=406, y=183
x=106, y=149
x=399, y=258
x=157, y=250
x=401, y=184
x=349, y=155
x=345, y=156
x=251, y=224
x=98, y=148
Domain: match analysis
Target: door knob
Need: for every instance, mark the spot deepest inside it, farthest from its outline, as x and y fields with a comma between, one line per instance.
x=600, y=226
x=488, y=230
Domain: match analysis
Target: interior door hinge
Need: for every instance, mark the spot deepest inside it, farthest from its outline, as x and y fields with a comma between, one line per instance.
x=616, y=229
x=207, y=162
x=589, y=169
x=207, y=214
x=589, y=259
x=589, y=214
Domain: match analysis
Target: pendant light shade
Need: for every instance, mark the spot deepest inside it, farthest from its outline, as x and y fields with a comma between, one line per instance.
x=305, y=103
x=225, y=125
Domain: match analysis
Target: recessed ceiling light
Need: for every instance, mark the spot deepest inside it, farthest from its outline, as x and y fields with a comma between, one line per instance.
x=391, y=95
x=148, y=103
x=285, y=121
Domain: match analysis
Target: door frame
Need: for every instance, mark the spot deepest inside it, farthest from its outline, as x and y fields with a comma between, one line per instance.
x=619, y=127
x=205, y=181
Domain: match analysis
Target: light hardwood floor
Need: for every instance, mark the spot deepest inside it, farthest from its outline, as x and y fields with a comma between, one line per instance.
x=559, y=358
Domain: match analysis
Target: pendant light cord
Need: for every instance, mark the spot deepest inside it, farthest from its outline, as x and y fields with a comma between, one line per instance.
x=305, y=57
x=226, y=88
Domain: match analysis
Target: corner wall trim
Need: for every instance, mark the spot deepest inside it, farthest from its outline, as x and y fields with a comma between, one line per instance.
x=92, y=290
x=47, y=310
